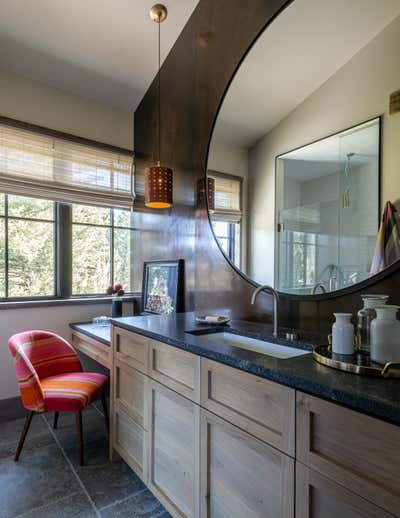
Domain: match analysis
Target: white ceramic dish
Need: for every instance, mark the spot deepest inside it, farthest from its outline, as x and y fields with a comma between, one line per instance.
x=219, y=320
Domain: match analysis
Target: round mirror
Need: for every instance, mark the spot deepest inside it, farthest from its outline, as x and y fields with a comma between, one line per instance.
x=304, y=160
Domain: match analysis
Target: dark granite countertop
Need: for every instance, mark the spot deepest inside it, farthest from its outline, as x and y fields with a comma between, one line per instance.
x=377, y=397
x=100, y=333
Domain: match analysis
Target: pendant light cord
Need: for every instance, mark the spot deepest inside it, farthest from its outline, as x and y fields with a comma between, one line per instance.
x=159, y=92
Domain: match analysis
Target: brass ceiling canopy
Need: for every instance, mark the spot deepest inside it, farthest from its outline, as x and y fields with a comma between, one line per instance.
x=158, y=13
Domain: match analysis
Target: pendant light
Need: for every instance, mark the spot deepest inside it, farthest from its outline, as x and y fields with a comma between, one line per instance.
x=158, y=179
x=206, y=188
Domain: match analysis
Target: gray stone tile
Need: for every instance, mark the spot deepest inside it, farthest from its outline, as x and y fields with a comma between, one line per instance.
x=76, y=505
x=94, y=428
x=38, y=436
x=139, y=505
x=105, y=481
x=40, y=477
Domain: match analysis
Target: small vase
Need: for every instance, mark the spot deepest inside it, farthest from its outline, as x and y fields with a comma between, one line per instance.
x=385, y=335
x=116, y=308
x=365, y=317
x=343, y=334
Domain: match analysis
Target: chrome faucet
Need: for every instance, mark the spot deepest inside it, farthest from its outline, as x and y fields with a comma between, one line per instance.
x=274, y=293
x=318, y=285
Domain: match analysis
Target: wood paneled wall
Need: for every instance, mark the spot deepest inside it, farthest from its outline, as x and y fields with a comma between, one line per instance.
x=194, y=78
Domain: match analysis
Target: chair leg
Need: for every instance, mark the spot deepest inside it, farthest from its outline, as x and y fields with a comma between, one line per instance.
x=105, y=411
x=27, y=424
x=79, y=430
x=55, y=422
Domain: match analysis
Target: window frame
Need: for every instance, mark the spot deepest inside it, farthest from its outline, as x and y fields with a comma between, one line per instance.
x=62, y=253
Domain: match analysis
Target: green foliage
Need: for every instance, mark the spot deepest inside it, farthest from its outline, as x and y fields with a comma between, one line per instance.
x=31, y=237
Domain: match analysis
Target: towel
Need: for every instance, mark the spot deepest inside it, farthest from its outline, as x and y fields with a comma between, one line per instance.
x=387, y=249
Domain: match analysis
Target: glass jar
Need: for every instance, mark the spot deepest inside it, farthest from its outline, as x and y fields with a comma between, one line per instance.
x=364, y=318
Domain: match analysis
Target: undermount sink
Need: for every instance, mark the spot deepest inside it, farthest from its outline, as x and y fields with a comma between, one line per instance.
x=253, y=344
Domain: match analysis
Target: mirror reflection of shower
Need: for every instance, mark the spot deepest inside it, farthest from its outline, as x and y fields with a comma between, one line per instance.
x=327, y=196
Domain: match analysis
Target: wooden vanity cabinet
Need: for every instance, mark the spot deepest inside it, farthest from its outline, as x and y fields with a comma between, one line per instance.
x=212, y=441
x=242, y=476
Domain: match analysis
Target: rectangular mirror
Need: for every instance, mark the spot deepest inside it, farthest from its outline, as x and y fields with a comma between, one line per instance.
x=327, y=210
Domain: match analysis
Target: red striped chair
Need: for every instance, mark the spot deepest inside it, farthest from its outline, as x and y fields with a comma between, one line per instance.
x=51, y=378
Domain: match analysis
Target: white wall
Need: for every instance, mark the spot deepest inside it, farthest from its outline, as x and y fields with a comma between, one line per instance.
x=37, y=103
x=358, y=91
x=34, y=102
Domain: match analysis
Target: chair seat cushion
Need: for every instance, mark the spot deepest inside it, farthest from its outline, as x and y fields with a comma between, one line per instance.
x=72, y=391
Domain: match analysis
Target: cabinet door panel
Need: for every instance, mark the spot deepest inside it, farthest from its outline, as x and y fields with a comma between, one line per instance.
x=354, y=450
x=174, y=450
x=318, y=497
x=242, y=476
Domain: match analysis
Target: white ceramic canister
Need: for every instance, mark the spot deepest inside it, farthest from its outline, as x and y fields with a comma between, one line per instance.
x=385, y=335
x=343, y=334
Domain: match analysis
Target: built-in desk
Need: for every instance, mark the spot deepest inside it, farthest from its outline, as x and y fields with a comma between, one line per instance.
x=94, y=341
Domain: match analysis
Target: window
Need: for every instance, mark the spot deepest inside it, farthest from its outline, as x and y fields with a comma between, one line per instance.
x=27, y=247
x=56, y=237
x=100, y=244
x=225, y=232
x=227, y=216
x=101, y=249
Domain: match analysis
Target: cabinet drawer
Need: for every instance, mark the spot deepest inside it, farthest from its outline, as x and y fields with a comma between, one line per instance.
x=129, y=391
x=130, y=441
x=319, y=497
x=177, y=369
x=356, y=451
x=131, y=348
x=92, y=348
x=242, y=476
x=263, y=408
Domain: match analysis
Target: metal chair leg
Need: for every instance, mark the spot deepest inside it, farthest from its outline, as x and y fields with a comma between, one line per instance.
x=27, y=424
x=55, y=422
x=79, y=430
x=105, y=411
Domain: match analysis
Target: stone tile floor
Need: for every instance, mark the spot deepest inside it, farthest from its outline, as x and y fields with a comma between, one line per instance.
x=48, y=482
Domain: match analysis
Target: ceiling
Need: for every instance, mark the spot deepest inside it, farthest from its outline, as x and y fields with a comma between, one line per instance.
x=100, y=49
x=306, y=44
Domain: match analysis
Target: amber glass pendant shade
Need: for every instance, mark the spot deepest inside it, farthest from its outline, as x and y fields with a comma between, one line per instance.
x=201, y=193
x=158, y=187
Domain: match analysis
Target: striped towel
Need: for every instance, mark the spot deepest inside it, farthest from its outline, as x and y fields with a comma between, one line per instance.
x=387, y=249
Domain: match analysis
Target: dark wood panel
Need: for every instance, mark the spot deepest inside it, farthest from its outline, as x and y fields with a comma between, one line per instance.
x=194, y=78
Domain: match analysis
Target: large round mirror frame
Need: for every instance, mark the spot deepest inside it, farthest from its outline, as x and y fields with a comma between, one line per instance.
x=363, y=285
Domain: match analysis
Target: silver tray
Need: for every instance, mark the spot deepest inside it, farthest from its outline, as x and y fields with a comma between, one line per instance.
x=358, y=363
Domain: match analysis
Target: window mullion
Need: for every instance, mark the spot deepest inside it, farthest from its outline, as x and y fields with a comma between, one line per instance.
x=112, y=247
x=6, y=245
x=64, y=250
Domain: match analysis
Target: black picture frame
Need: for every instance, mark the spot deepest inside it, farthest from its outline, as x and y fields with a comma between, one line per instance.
x=174, y=272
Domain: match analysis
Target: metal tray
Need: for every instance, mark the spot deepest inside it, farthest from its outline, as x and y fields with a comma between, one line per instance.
x=358, y=363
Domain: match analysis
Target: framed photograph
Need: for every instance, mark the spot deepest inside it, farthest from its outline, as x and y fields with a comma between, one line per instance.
x=162, y=290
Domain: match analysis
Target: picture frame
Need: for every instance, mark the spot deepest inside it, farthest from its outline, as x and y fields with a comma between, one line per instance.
x=162, y=287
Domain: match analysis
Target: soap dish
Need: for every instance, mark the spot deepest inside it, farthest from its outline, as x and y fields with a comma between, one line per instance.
x=212, y=319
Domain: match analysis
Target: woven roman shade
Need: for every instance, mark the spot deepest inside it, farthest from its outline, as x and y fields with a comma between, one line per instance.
x=37, y=165
x=227, y=198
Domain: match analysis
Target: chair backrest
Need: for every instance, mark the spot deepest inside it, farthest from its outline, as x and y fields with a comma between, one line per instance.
x=38, y=355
